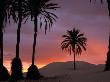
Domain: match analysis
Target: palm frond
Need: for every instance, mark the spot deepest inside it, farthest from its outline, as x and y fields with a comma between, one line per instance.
x=74, y=41
x=78, y=50
x=18, y=7
x=3, y=13
x=41, y=9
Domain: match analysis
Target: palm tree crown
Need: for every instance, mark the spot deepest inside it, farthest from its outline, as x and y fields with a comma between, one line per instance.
x=18, y=8
x=3, y=13
x=74, y=42
x=41, y=10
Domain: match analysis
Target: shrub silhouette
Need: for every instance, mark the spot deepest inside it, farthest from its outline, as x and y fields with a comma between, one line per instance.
x=33, y=73
x=107, y=65
x=4, y=75
x=16, y=69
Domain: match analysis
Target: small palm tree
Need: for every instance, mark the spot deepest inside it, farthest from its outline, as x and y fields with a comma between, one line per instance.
x=4, y=75
x=40, y=14
x=74, y=42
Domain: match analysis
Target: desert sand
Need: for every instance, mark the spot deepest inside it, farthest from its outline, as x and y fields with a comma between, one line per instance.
x=64, y=72
x=85, y=72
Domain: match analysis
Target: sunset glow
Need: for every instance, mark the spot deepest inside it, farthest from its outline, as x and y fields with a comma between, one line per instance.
x=91, y=19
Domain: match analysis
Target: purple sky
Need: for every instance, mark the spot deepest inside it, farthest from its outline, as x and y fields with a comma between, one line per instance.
x=90, y=18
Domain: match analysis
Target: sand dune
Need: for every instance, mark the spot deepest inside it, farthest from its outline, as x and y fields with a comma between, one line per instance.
x=62, y=68
x=64, y=72
x=85, y=72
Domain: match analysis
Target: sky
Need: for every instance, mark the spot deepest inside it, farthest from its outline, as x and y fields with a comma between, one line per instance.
x=91, y=18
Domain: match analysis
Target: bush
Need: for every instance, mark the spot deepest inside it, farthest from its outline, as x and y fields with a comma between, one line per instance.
x=4, y=75
x=16, y=69
x=33, y=73
x=107, y=65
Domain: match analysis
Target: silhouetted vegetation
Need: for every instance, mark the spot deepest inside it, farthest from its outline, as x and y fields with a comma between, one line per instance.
x=4, y=75
x=107, y=66
x=40, y=13
x=18, y=11
x=74, y=42
x=16, y=70
x=32, y=72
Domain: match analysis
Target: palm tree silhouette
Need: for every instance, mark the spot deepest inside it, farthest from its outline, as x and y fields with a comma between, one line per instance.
x=40, y=12
x=4, y=75
x=18, y=10
x=74, y=42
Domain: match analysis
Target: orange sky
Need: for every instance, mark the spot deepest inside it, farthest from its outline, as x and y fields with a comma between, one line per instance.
x=96, y=48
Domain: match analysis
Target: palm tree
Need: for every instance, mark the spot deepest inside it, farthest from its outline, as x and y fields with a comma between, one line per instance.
x=40, y=13
x=4, y=75
x=18, y=11
x=74, y=42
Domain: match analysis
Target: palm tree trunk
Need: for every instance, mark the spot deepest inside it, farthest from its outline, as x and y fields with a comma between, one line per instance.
x=18, y=36
x=74, y=57
x=19, y=28
x=74, y=61
x=1, y=47
x=35, y=36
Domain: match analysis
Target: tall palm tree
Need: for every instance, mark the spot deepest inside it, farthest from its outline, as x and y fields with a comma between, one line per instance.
x=4, y=75
x=74, y=42
x=18, y=11
x=40, y=13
